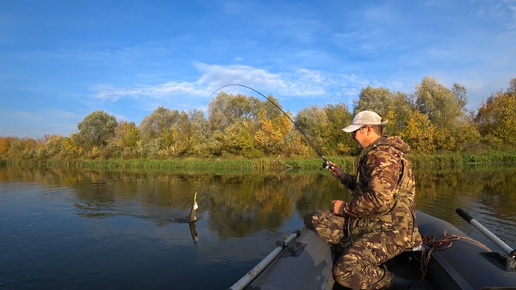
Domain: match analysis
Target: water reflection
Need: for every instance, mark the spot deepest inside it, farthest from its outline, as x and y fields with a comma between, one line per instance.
x=241, y=204
x=142, y=218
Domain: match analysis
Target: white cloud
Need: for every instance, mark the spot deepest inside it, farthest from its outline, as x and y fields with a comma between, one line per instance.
x=299, y=83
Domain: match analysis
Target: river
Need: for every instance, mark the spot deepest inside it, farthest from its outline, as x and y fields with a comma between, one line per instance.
x=85, y=229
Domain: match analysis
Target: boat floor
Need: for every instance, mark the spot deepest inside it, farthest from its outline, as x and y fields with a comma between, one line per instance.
x=406, y=266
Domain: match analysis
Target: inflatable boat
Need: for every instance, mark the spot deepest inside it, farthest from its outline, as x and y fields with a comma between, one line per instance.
x=449, y=259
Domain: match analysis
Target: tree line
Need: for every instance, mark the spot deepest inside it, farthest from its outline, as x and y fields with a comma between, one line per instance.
x=432, y=119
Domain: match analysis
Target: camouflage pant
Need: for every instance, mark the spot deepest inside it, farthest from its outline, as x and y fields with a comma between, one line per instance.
x=359, y=265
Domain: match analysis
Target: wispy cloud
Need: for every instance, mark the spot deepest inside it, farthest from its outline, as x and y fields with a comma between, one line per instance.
x=300, y=83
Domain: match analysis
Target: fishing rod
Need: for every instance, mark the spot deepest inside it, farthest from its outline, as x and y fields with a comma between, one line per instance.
x=326, y=164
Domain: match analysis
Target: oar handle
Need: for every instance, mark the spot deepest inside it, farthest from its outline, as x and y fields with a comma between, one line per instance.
x=249, y=277
x=511, y=252
x=463, y=214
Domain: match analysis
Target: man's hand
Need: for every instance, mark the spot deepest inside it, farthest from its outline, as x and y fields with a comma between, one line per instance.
x=337, y=171
x=338, y=207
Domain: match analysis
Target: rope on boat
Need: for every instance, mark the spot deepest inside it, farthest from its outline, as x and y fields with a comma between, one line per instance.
x=438, y=245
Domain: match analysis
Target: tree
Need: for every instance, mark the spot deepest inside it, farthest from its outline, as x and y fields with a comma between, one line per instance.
x=496, y=118
x=226, y=109
x=377, y=100
x=512, y=86
x=127, y=138
x=238, y=140
x=314, y=123
x=338, y=141
x=54, y=146
x=159, y=121
x=200, y=134
x=461, y=97
x=393, y=107
x=96, y=129
x=5, y=144
x=398, y=115
x=443, y=106
x=419, y=132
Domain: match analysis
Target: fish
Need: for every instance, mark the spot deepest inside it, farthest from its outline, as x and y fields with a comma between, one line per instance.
x=192, y=218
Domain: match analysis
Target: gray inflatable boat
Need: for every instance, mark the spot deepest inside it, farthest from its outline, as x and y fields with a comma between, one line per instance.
x=304, y=261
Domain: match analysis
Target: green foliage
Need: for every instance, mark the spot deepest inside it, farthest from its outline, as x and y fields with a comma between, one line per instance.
x=159, y=121
x=432, y=120
x=337, y=142
x=441, y=105
x=226, y=110
x=96, y=130
x=378, y=100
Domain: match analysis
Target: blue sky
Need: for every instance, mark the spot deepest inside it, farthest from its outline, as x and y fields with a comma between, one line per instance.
x=61, y=60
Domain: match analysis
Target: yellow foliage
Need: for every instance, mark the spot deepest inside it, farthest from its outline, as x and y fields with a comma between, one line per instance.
x=5, y=144
x=419, y=133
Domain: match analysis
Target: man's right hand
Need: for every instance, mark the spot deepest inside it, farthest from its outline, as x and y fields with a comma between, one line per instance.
x=337, y=171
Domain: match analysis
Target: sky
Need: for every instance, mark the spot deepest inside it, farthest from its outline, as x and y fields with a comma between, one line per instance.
x=62, y=60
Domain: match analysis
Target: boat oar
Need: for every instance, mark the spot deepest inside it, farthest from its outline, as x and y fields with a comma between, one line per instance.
x=249, y=277
x=511, y=252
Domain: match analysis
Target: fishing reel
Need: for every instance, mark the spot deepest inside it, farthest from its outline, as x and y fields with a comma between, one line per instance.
x=326, y=165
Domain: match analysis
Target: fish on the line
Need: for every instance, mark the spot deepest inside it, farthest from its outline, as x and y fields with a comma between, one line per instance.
x=192, y=218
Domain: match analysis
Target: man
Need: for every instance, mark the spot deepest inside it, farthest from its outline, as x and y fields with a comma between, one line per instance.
x=380, y=221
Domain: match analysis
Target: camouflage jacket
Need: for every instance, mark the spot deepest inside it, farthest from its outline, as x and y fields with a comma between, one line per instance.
x=384, y=192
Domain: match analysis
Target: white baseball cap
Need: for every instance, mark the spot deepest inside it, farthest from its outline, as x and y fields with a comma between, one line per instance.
x=364, y=118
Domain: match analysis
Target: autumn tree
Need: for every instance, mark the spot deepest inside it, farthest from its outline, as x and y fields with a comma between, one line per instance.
x=496, y=118
x=443, y=106
x=339, y=142
x=226, y=110
x=158, y=122
x=445, y=109
x=272, y=137
x=393, y=107
x=238, y=140
x=54, y=146
x=96, y=129
x=127, y=138
x=419, y=132
x=200, y=136
x=25, y=148
x=5, y=144
x=313, y=122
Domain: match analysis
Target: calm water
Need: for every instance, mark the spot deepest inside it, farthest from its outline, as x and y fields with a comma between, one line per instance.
x=79, y=229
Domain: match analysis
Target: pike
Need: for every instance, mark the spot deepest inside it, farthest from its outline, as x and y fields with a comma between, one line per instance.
x=192, y=218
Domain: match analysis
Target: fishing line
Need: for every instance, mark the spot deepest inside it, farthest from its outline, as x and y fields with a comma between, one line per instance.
x=326, y=164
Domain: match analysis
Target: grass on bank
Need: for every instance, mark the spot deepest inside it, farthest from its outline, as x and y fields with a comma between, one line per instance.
x=259, y=164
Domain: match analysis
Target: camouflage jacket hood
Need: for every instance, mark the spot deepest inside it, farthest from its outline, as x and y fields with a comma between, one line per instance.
x=395, y=142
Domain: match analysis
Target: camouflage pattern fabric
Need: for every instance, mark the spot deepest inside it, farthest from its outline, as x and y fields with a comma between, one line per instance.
x=379, y=222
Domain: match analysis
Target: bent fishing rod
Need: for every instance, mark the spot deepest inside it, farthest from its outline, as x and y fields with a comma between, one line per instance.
x=326, y=164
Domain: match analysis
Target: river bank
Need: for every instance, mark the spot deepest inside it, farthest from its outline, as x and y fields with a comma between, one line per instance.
x=259, y=164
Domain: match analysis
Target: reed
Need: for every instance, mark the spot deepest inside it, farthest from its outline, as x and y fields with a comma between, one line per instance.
x=465, y=158
x=235, y=164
